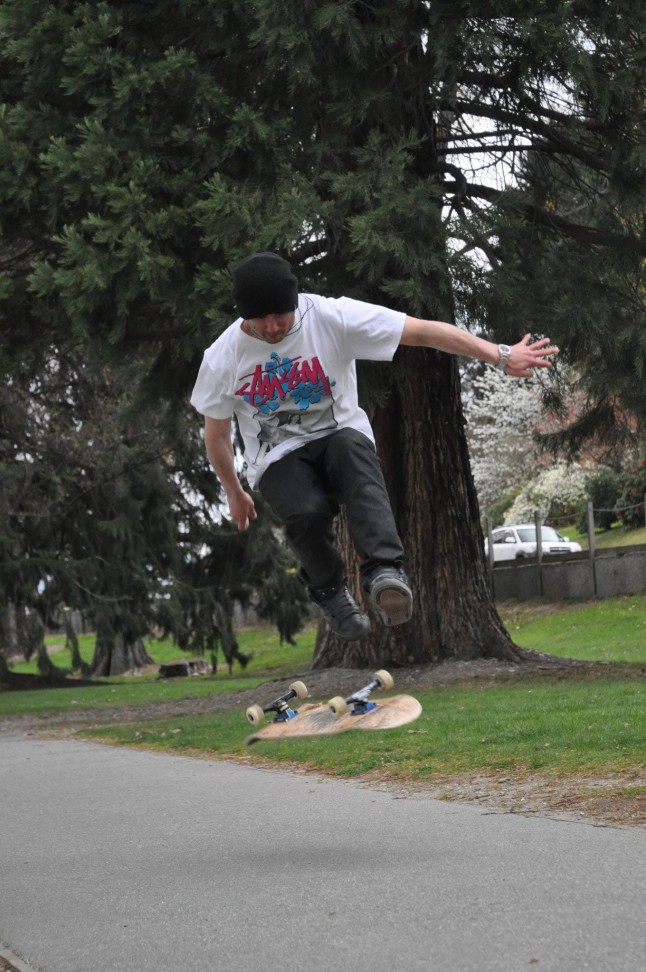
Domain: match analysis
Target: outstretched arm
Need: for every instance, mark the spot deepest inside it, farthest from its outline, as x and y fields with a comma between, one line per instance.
x=523, y=358
x=219, y=449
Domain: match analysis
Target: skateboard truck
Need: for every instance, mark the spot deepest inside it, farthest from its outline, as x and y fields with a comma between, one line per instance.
x=284, y=712
x=322, y=719
x=360, y=701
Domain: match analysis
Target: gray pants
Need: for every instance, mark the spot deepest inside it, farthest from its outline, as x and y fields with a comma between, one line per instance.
x=306, y=489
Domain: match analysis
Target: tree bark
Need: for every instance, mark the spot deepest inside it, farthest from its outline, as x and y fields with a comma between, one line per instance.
x=8, y=636
x=421, y=440
x=114, y=654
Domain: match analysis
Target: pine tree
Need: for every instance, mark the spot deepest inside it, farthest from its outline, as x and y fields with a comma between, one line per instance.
x=108, y=127
x=147, y=146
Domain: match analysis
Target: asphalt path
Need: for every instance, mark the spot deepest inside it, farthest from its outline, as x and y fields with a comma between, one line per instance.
x=114, y=860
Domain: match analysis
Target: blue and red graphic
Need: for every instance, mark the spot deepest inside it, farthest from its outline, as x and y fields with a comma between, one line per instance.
x=294, y=380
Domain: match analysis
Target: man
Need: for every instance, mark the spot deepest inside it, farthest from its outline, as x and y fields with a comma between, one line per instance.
x=286, y=369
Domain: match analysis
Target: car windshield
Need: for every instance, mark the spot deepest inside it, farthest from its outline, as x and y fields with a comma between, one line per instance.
x=548, y=535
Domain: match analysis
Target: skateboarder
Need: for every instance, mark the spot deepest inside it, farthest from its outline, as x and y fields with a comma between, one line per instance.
x=286, y=369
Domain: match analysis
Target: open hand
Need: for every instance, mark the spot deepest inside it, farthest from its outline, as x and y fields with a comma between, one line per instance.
x=242, y=509
x=528, y=355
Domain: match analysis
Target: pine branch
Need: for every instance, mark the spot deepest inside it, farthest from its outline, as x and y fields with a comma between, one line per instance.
x=542, y=217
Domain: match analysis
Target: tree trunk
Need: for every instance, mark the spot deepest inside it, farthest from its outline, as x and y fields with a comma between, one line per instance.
x=8, y=637
x=421, y=440
x=116, y=655
x=72, y=642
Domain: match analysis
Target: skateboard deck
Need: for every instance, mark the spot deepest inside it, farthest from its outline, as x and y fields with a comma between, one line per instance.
x=327, y=720
x=319, y=720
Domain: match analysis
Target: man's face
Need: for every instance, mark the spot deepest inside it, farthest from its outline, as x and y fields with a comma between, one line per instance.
x=272, y=328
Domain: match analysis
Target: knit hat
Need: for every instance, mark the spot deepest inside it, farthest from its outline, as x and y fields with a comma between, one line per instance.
x=264, y=284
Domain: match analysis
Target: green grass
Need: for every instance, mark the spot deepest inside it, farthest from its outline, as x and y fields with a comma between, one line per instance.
x=538, y=726
x=61, y=656
x=530, y=724
x=161, y=651
x=262, y=643
x=270, y=659
x=119, y=692
x=609, y=630
x=617, y=536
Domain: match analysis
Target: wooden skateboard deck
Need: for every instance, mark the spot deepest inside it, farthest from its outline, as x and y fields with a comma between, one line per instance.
x=319, y=720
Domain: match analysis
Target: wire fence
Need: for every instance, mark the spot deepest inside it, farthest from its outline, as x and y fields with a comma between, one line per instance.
x=541, y=521
x=568, y=518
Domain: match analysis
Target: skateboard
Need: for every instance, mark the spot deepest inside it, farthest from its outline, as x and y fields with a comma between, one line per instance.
x=356, y=711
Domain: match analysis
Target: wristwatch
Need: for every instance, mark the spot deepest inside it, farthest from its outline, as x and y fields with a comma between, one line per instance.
x=504, y=351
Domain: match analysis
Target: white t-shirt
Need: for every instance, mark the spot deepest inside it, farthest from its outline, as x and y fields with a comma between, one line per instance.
x=305, y=387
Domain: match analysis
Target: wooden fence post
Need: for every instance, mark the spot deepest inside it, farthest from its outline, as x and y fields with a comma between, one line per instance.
x=538, y=524
x=592, y=545
x=490, y=554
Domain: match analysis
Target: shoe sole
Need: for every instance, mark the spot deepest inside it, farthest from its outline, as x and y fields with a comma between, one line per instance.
x=362, y=628
x=354, y=637
x=395, y=604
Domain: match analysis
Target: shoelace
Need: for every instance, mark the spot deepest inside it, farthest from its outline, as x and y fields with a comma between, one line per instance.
x=342, y=610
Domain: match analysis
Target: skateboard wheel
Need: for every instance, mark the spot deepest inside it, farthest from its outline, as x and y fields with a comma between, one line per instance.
x=385, y=679
x=255, y=715
x=300, y=689
x=338, y=706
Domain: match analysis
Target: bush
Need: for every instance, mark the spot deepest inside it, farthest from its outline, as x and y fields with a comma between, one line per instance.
x=496, y=512
x=630, y=505
x=557, y=493
x=603, y=491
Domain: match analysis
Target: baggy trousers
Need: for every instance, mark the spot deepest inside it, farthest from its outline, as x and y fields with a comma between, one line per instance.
x=306, y=489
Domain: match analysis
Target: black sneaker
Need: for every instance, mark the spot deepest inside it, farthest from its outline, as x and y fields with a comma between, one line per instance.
x=389, y=592
x=343, y=614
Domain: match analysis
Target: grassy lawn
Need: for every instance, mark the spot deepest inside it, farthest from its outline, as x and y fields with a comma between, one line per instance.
x=617, y=536
x=119, y=692
x=609, y=630
x=554, y=726
x=262, y=643
x=270, y=659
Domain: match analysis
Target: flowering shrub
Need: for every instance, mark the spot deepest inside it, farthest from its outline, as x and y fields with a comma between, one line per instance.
x=630, y=505
x=557, y=493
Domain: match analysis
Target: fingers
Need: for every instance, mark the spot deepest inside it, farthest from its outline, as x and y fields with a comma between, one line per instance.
x=249, y=513
x=242, y=510
x=528, y=355
x=540, y=346
x=539, y=363
x=534, y=345
x=525, y=370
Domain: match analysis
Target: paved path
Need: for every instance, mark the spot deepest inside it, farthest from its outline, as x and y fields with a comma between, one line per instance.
x=122, y=861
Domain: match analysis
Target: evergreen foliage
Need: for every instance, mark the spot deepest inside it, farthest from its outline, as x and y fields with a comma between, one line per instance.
x=145, y=145
x=602, y=490
x=569, y=255
x=632, y=500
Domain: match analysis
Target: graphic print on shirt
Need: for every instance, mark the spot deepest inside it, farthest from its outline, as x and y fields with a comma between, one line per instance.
x=292, y=397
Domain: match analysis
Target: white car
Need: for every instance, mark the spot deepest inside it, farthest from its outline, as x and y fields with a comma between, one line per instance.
x=519, y=542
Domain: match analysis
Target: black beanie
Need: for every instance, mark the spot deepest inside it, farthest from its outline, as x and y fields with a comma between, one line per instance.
x=264, y=284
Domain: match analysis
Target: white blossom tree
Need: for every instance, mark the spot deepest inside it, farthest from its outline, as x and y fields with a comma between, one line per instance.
x=502, y=418
x=558, y=492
